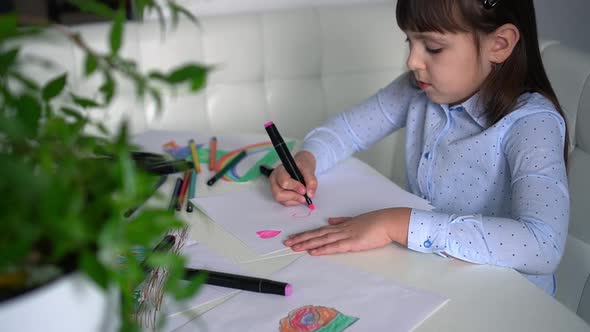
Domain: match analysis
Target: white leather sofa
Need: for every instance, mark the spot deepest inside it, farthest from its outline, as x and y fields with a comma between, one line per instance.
x=299, y=66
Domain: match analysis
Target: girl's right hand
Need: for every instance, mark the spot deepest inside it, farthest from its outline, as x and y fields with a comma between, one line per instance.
x=287, y=190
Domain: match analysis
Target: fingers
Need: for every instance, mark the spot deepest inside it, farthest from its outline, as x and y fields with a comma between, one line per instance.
x=311, y=183
x=329, y=243
x=338, y=220
x=302, y=237
x=316, y=239
x=306, y=163
x=333, y=248
x=285, y=182
x=285, y=189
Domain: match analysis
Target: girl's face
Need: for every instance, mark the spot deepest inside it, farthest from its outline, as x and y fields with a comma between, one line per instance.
x=447, y=66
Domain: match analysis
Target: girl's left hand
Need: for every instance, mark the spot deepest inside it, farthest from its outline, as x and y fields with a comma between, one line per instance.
x=366, y=231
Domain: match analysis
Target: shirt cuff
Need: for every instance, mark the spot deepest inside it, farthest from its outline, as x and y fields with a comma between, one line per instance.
x=428, y=231
x=319, y=152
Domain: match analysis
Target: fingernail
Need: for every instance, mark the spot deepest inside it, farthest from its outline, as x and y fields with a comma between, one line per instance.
x=310, y=193
x=288, y=242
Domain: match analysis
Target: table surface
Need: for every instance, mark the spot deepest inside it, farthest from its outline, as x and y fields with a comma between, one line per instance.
x=482, y=297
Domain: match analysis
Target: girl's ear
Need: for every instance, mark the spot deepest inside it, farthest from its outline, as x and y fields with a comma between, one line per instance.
x=502, y=43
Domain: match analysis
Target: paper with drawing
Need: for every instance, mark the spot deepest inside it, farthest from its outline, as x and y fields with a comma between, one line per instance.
x=350, y=299
x=263, y=224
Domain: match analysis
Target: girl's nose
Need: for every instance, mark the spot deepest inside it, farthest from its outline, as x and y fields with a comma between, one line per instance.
x=414, y=61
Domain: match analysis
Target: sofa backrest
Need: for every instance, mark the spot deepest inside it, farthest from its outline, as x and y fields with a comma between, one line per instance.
x=295, y=67
x=569, y=73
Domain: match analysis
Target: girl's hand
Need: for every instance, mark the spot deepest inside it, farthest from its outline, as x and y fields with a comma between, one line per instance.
x=288, y=191
x=367, y=231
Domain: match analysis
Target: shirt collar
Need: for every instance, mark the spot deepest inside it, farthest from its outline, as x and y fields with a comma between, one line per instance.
x=474, y=107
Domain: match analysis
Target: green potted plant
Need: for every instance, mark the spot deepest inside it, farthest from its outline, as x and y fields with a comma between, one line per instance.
x=63, y=233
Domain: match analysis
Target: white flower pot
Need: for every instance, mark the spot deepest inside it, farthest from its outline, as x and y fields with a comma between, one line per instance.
x=71, y=303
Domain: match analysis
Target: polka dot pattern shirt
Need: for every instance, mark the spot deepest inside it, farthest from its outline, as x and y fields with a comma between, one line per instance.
x=500, y=191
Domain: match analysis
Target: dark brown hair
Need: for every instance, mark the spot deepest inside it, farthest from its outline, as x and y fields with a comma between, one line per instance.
x=522, y=72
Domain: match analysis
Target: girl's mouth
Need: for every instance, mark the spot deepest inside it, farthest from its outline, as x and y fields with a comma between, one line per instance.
x=423, y=85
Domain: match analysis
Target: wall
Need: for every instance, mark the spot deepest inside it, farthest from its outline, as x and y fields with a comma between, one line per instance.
x=564, y=20
x=213, y=7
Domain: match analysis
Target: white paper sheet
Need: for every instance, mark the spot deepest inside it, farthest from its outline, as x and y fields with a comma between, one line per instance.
x=380, y=305
x=199, y=257
x=345, y=191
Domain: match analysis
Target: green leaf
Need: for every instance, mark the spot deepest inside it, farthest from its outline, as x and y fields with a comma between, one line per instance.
x=198, y=82
x=28, y=113
x=188, y=73
x=116, y=36
x=73, y=113
x=83, y=101
x=183, y=11
x=54, y=87
x=7, y=59
x=140, y=7
x=90, y=64
x=108, y=88
x=94, y=7
x=90, y=264
x=159, y=76
x=175, y=16
x=24, y=80
x=157, y=97
x=102, y=128
x=8, y=24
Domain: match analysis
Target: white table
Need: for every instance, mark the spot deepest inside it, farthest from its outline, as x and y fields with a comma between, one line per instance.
x=482, y=298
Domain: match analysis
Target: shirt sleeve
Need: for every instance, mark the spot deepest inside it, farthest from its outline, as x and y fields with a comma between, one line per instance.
x=361, y=126
x=532, y=239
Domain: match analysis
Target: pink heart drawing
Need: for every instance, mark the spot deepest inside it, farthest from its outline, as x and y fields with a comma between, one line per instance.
x=268, y=234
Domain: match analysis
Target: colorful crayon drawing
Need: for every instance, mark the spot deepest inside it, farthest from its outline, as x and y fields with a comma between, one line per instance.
x=268, y=234
x=269, y=157
x=179, y=152
x=312, y=318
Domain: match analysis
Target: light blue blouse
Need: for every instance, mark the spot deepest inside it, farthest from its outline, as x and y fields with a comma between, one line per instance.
x=500, y=191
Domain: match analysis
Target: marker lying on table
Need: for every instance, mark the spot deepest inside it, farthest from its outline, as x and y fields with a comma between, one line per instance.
x=175, y=193
x=192, y=187
x=252, y=284
x=286, y=158
x=222, y=279
x=212, y=152
x=183, y=189
x=226, y=168
x=195, y=155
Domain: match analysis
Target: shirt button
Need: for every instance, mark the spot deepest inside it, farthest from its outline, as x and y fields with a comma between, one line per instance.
x=427, y=244
x=426, y=155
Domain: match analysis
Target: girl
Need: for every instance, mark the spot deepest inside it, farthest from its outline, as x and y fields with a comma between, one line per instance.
x=486, y=144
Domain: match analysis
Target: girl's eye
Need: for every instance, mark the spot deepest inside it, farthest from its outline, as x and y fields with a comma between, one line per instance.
x=433, y=50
